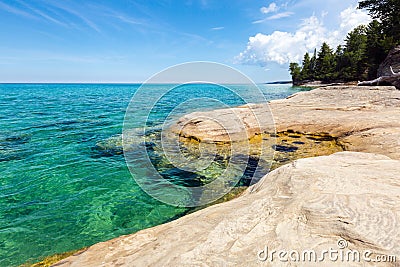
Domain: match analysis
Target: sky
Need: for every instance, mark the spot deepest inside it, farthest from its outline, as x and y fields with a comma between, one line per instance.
x=128, y=41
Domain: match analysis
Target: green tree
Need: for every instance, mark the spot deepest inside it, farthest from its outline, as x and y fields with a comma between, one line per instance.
x=325, y=63
x=338, y=58
x=376, y=48
x=313, y=65
x=354, y=65
x=388, y=13
x=306, y=69
x=365, y=47
x=295, y=71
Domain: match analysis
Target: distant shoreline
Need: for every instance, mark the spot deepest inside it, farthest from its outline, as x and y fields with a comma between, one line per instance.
x=280, y=82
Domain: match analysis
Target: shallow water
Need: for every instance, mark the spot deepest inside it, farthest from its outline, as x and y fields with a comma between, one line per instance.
x=63, y=183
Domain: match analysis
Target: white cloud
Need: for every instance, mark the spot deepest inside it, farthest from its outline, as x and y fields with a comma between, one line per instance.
x=217, y=28
x=258, y=21
x=280, y=15
x=15, y=11
x=43, y=15
x=285, y=47
x=271, y=8
x=352, y=17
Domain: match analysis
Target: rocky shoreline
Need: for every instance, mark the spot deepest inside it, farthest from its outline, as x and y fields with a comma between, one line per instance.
x=363, y=119
x=308, y=204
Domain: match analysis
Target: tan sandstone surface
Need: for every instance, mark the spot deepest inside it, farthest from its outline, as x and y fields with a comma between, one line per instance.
x=306, y=205
x=365, y=119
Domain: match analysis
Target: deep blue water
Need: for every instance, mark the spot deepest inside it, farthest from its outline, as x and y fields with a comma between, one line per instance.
x=62, y=186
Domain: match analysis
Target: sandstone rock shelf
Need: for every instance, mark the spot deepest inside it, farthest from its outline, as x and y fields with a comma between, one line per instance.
x=370, y=115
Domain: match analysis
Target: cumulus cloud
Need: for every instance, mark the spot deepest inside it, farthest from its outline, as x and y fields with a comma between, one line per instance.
x=285, y=47
x=271, y=8
x=351, y=18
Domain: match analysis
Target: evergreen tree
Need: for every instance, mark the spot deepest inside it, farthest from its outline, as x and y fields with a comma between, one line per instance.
x=324, y=63
x=365, y=48
x=338, y=57
x=295, y=71
x=354, y=66
x=313, y=65
x=375, y=48
x=388, y=13
x=306, y=69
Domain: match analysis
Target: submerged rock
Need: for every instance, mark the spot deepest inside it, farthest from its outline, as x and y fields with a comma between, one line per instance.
x=281, y=148
x=109, y=147
x=7, y=155
x=14, y=140
x=298, y=143
x=134, y=139
x=13, y=147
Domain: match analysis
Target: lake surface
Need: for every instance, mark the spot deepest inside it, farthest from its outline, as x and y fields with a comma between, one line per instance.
x=64, y=183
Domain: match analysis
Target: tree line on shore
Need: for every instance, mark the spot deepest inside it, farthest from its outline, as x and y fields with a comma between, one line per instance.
x=364, y=48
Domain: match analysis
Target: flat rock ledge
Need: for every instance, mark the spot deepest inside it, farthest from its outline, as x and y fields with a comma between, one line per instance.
x=363, y=119
x=307, y=205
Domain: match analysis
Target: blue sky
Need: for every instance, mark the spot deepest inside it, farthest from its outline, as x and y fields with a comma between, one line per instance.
x=129, y=41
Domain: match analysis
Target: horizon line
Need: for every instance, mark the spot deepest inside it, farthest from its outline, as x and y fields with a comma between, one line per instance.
x=134, y=83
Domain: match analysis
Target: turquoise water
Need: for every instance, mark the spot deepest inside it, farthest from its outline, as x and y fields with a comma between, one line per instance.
x=63, y=183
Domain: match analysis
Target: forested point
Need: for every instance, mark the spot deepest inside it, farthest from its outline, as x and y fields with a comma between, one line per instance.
x=364, y=49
